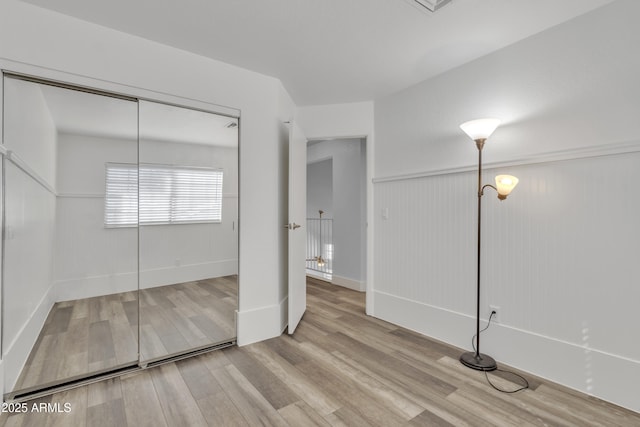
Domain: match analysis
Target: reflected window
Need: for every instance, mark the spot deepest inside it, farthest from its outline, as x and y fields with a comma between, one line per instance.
x=167, y=195
x=121, y=195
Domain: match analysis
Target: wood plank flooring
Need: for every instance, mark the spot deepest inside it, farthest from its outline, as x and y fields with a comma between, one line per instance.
x=91, y=335
x=184, y=316
x=80, y=337
x=340, y=368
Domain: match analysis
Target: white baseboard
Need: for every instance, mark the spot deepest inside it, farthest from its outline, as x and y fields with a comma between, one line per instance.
x=88, y=287
x=17, y=352
x=262, y=323
x=284, y=314
x=187, y=273
x=356, y=285
x=607, y=376
x=318, y=275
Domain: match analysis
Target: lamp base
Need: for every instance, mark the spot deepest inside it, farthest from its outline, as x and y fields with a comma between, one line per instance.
x=480, y=362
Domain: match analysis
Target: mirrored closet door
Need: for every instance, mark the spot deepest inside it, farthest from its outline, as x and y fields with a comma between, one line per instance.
x=70, y=276
x=120, y=233
x=188, y=230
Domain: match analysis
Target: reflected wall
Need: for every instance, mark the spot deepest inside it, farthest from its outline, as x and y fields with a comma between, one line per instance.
x=56, y=249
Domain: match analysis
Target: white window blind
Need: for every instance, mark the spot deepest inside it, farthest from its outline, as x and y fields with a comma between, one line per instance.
x=121, y=195
x=167, y=195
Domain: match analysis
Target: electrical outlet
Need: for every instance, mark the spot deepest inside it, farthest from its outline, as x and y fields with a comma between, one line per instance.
x=496, y=317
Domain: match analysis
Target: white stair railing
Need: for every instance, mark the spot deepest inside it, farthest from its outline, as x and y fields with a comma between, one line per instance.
x=320, y=244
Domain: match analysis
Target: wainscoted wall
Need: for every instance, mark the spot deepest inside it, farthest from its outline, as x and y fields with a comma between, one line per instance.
x=29, y=186
x=560, y=259
x=28, y=294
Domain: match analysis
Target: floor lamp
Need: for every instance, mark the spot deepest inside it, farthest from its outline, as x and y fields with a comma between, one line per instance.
x=479, y=131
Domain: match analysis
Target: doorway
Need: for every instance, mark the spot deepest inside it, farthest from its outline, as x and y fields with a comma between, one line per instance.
x=337, y=211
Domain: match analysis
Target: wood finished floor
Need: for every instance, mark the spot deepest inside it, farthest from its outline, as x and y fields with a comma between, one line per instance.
x=340, y=368
x=185, y=316
x=96, y=334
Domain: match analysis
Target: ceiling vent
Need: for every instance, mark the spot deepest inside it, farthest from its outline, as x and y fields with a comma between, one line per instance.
x=431, y=5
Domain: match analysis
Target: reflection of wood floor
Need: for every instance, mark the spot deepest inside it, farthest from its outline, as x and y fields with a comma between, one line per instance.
x=185, y=316
x=340, y=368
x=82, y=336
x=96, y=334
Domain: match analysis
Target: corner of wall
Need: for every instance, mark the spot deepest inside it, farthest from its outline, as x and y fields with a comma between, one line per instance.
x=262, y=323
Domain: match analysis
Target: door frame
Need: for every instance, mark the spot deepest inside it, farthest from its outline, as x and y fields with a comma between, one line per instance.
x=369, y=223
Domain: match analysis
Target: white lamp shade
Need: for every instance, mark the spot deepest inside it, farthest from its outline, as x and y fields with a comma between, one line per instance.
x=505, y=184
x=480, y=129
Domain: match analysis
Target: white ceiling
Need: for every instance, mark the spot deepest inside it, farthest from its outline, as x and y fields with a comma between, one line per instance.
x=331, y=51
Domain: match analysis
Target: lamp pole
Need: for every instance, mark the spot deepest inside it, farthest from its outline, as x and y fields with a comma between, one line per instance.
x=479, y=144
x=479, y=131
x=477, y=360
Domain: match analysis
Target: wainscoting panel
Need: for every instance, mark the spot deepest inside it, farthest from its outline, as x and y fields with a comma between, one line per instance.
x=560, y=258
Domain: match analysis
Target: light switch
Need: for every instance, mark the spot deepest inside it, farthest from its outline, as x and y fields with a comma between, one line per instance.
x=385, y=213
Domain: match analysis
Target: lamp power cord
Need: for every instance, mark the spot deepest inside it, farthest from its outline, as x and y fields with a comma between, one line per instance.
x=524, y=380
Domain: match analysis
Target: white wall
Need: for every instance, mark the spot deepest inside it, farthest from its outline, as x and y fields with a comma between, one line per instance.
x=93, y=260
x=185, y=252
x=83, y=53
x=349, y=215
x=337, y=120
x=569, y=87
x=560, y=255
x=29, y=209
x=30, y=131
x=320, y=188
